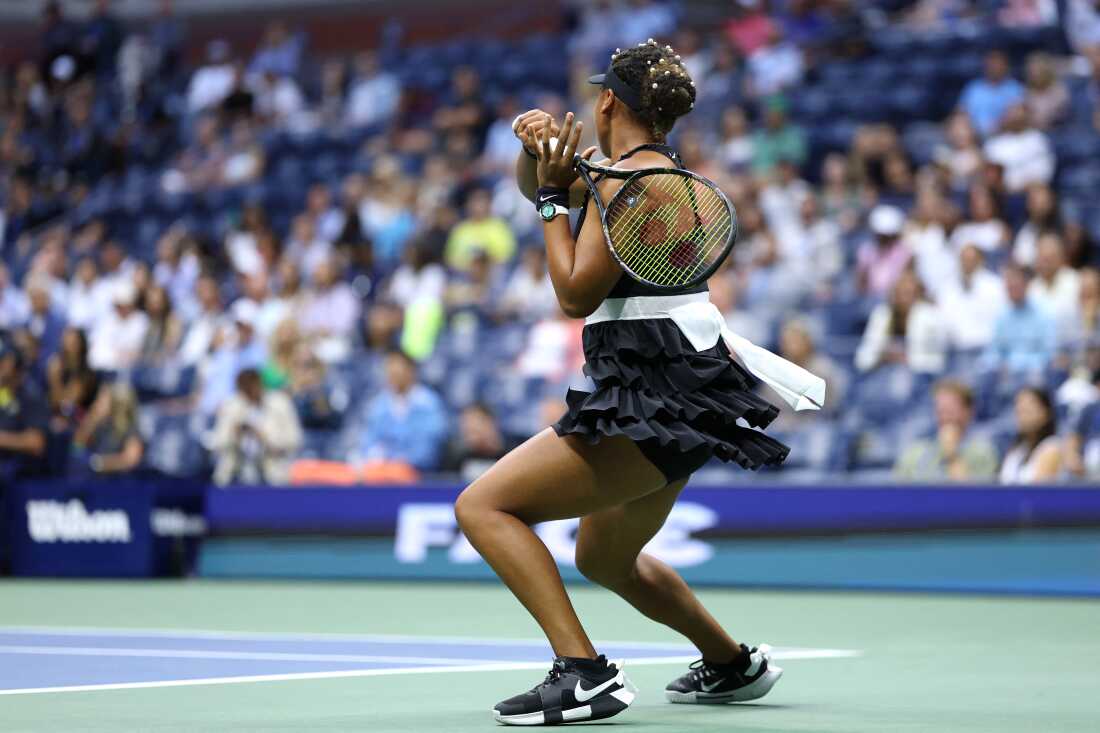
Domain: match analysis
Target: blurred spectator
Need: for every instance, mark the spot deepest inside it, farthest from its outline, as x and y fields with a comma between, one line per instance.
x=777, y=140
x=774, y=66
x=1082, y=24
x=529, y=294
x=244, y=156
x=1024, y=336
x=906, y=330
x=102, y=38
x=987, y=99
x=473, y=289
x=43, y=321
x=305, y=248
x=1042, y=218
x=165, y=331
x=107, y=440
x=749, y=26
x=282, y=350
x=478, y=443
x=117, y=338
x=320, y=403
x=212, y=83
x=279, y=52
x=553, y=351
x=256, y=434
x=205, y=324
x=1023, y=151
x=736, y=148
x=1047, y=98
x=177, y=269
x=1083, y=442
x=24, y=417
x=1055, y=285
x=406, y=421
x=234, y=350
x=881, y=260
x=814, y=244
x=72, y=383
x=925, y=235
x=961, y=156
x=480, y=230
x=14, y=308
x=278, y=100
x=984, y=228
x=1082, y=326
x=971, y=303
x=463, y=110
x=420, y=278
x=330, y=314
x=1036, y=453
x=89, y=297
x=374, y=93
x=644, y=19
x=956, y=453
x=797, y=345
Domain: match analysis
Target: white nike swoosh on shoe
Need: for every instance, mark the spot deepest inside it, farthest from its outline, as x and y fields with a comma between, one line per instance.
x=711, y=688
x=584, y=695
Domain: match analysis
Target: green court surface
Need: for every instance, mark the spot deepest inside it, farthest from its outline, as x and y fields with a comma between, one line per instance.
x=924, y=663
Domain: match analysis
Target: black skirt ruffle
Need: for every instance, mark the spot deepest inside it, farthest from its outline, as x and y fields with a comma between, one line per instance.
x=654, y=388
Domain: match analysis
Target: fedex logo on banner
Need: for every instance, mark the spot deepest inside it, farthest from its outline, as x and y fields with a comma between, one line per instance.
x=421, y=526
x=51, y=521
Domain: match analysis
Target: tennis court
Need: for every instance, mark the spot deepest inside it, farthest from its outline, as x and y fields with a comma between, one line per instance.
x=435, y=657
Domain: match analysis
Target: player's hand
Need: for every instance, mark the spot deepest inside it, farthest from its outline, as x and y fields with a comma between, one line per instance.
x=555, y=161
x=528, y=128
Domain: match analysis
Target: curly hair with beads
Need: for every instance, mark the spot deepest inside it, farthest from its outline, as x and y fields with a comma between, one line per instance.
x=667, y=91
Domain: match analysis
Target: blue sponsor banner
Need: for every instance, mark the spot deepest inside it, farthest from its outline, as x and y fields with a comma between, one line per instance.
x=760, y=536
x=759, y=510
x=127, y=527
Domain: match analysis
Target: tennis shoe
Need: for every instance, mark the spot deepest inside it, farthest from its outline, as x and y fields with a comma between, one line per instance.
x=715, y=684
x=573, y=691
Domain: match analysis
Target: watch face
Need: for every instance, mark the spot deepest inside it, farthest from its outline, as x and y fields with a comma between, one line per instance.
x=547, y=211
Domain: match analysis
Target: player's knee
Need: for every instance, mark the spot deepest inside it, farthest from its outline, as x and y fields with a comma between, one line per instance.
x=467, y=510
x=598, y=569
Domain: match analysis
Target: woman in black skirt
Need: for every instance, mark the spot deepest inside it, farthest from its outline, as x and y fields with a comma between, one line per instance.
x=622, y=453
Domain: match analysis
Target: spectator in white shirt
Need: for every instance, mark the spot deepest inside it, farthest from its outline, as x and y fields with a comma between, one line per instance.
x=277, y=98
x=89, y=297
x=935, y=259
x=1055, y=285
x=774, y=66
x=1042, y=217
x=330, y=313
x=117, y=337
x=419, y=279
x=984, y=228
x=529, y=293
x=305, y=248
x=14, y=308
x=970, y=305
x=205, y=323
x=1021, y=150
x=374, y=93
x=907, y=330
x=212, y=83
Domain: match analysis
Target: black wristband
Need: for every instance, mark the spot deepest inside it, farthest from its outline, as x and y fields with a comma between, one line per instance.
x=551, y=195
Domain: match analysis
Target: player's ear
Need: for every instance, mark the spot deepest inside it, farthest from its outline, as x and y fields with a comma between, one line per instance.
x=607, y=102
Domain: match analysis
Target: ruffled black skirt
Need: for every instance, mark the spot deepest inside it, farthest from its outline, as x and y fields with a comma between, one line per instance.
x=679, y=405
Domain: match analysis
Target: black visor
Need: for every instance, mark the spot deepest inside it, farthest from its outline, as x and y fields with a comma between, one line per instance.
x=628, y=95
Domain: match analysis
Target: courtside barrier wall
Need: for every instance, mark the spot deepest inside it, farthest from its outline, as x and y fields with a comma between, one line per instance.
x=985, y=538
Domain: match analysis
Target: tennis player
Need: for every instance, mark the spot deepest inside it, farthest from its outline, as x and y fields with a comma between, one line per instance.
x=618, y=458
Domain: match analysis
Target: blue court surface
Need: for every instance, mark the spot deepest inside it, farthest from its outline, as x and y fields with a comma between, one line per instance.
x=34, y=660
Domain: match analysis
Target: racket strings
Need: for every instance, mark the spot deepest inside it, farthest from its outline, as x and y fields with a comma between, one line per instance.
x=667, y=228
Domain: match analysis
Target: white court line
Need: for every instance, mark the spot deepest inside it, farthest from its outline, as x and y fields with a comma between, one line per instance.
x=97, y=651
x=489, y=667
x=311, y=636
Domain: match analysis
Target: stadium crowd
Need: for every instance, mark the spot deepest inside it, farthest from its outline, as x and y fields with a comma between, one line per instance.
x=277, y=265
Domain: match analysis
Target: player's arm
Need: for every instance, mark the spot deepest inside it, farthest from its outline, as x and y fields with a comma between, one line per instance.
x=582, y=270
x=528, y=128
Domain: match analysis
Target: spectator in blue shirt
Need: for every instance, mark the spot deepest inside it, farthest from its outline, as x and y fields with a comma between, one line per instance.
x=987, y=99
x=1024, y=336
x=406, y=421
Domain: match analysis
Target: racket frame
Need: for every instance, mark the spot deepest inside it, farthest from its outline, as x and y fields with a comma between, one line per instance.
x=585, y=169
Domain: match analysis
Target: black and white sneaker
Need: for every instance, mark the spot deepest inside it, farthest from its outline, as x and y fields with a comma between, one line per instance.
x=748, y=677
x=575, y=690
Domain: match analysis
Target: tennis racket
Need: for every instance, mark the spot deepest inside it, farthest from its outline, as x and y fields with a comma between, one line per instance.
x=667, y=227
